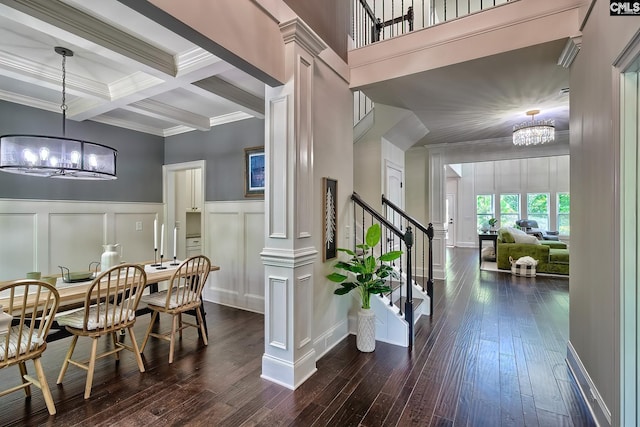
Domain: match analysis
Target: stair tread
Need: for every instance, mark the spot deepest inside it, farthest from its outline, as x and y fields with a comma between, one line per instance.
x=402, y=300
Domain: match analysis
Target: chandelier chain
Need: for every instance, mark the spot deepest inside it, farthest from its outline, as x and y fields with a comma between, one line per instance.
x=63, y=107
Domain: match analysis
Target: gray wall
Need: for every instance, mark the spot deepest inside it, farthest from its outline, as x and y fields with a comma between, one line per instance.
x=139, y=164
x=595, y=159
x=223, y=149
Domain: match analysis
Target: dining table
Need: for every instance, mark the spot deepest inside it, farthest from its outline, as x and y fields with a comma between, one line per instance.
x=73, y=294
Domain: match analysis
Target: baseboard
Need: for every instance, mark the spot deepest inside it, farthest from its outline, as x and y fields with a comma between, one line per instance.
x=287, y=374
x=329, y=339
x=466, y=245
x=592, y=397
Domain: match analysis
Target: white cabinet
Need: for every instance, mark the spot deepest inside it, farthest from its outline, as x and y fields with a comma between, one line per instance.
x=194, y=190
x=194, y=246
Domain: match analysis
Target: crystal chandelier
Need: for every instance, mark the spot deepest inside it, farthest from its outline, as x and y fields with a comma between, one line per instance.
x=57, y=157
x=534, y=132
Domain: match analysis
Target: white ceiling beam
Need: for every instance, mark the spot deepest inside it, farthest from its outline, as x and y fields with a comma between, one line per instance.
x=169, y=114
x=248, y=102
x=59, y=15
x=192, y=66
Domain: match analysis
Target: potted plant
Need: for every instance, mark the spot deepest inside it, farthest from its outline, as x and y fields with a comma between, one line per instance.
x=369, y=275
x=492, y=224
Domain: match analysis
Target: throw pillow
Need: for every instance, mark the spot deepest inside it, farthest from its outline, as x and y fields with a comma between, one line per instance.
x=505, y=236
x=525, y=238
x=515, y=231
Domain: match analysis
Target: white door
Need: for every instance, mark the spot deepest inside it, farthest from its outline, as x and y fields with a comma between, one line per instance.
x=394, y=192
x=449, y=225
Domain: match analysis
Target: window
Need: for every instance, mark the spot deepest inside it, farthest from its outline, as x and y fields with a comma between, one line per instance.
x=564, y=204
x=538, y=209
x=484, y=210
x=509, y=209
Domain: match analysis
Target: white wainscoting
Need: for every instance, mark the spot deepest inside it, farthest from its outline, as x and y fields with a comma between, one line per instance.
x=40, y=235
x=235, y=239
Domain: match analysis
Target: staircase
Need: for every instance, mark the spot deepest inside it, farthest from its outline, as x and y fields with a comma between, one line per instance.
x=398, y=311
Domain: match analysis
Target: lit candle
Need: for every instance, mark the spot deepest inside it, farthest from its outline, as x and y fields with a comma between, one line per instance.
x=162, y=241
x=155, y=234
x=175, y=241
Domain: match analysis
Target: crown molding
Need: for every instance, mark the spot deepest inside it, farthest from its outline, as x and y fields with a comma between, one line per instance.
x=43, y=75
x=194, y=59
x=29, y=101
x=126, y=124
x=296, y=30
x=229, y=118
x=570, y=51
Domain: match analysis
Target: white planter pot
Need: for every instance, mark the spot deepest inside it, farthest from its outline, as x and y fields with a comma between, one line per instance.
x=366, y=338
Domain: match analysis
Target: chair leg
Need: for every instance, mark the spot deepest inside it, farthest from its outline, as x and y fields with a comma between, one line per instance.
x=44, y=386
x=115, y=345
x=91, y=367
x=180, y=324
x=65, y=364
x=146, y=336
x=174, y=326
x=201, y=325
x=23, y=372
x=136, y=350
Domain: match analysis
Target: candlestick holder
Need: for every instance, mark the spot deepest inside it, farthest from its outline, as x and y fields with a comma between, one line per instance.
x=174, y=263
x=155, y=258
x=161, y=267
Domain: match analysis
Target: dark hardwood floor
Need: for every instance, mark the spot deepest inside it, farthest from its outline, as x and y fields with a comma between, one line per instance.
x=493, y=354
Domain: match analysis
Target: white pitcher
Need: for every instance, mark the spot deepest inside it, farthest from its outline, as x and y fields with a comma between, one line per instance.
x=110, y=257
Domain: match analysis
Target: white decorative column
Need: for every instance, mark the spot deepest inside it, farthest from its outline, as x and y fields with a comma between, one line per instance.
x=289, y=254
x=437, y=197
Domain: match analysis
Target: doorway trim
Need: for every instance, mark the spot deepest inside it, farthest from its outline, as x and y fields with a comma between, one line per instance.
x=169, y=195
x=626, y=91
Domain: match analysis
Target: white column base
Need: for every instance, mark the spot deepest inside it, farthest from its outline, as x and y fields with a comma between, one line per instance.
x=287, y=374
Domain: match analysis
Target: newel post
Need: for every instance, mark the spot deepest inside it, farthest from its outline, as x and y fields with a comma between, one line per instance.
x=408, y=306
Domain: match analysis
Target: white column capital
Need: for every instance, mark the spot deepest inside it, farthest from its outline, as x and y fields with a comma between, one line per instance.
x=295, y=30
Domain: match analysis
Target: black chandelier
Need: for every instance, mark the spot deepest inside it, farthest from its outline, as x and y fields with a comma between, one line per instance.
x=57, y=157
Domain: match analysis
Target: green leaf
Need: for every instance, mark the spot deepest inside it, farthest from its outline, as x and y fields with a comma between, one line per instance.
x=363, y=247
x=373, y=235
x=382, y=289
x=346, y=288
x=390, y=256
x=342, y=265
x=347, y=251
x=337, y=277
x=370, y=264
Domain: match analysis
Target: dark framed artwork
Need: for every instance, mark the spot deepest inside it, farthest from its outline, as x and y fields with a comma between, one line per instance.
x=330, y=215
x=254, y=172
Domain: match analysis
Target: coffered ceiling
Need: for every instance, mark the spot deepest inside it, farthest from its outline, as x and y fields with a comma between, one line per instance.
x=131, y=72
x=126, y=70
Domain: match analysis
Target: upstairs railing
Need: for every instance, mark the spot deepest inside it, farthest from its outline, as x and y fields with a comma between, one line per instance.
x=364, y=216
x=375, y=20
x=423, y=245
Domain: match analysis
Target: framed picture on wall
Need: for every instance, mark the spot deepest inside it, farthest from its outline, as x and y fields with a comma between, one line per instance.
x=330, y=215
x=254, y=172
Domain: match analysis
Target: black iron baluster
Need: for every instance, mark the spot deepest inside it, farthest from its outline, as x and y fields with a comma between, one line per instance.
x=408, y=308
x=423, y=262
x=430, y=282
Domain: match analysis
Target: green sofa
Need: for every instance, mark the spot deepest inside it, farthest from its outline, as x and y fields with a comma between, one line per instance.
x=552, y=256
